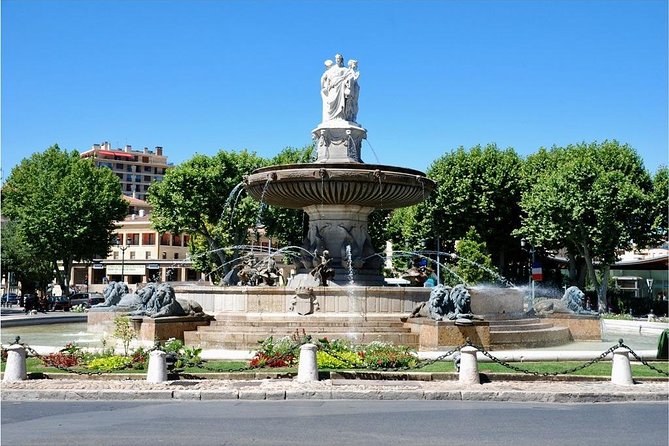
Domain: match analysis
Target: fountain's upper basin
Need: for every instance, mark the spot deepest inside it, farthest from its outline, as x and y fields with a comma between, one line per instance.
x=300, y=185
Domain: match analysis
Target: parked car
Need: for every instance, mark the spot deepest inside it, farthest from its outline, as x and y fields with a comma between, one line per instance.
x=10, y=299
x=59, y=303
x=86, y=299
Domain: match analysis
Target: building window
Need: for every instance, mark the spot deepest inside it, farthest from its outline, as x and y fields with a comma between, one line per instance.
x=149, y=238
x=176, y=255
x=147, y=178
x=132, y=255
x=186, y=239
x=165, y=239
x=145, y=159
x=164, y=255
x=119, y=165
x=147, y=168
x=132, y=239
x=147, y=255
x=176, y=240
x=115, y=255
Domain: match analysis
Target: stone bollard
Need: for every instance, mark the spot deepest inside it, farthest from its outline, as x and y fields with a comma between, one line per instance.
x=15, y=370
x=157, y=370
x=469, y=367
x=621, y=370
x=307, y=370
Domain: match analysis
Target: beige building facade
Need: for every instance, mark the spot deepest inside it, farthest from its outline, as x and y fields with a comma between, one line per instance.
x=136, y=169
x=141, y=255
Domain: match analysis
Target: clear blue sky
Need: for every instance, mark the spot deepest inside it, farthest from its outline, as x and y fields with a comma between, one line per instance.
x=200, y=76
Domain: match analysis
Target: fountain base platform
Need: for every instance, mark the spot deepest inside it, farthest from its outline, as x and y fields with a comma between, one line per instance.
x=148, y=329
x=246, y=315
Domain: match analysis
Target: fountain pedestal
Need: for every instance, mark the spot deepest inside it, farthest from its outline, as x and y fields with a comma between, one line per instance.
x=339, y=141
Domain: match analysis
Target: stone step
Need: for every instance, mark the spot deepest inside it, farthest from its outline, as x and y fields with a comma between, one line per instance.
x=526, y=321
x=301, y=324
x=309, y=330
x=250, y=340
x=307, y=322
x=524, y=327
x=531, y=338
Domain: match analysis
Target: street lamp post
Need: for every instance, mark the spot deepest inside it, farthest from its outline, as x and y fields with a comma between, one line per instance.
x=122, y=248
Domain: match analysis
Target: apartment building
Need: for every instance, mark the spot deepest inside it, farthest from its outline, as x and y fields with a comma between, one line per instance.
x=136, y=169
x=140, y=255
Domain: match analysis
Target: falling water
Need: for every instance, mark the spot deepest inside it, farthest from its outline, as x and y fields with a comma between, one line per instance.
x=262, y=201
x=373, y=151
x=356, y=304
x=233, y=196
x=349, y=262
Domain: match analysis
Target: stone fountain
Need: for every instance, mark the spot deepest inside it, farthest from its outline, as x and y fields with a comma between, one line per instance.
x=338, y=191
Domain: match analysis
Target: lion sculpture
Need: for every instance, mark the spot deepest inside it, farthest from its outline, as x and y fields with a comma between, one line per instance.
x=571, y=303
x=446, y=304
x=153, y=300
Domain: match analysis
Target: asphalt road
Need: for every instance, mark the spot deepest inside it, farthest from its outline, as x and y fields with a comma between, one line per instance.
x=415, y=423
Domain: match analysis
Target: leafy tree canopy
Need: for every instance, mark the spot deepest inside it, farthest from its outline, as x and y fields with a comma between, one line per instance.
x=592, y=199
x=478, y=188
x=287, y=226
x=200, y=197
x=64, y=207
x=474, y=264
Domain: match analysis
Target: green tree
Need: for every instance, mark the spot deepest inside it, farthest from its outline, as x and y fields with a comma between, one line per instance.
x=592, y=199
x=31, y=270
x=478, y=188
x=64, y=207
x=474, y=264
x=405, y=229
x=199, y=197
x=287, y=226
x=661, y=203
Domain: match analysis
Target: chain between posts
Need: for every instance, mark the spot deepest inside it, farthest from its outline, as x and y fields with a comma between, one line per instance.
x=291, y=355
x=641, y=360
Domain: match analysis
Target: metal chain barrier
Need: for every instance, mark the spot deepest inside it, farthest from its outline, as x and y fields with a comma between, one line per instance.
x=573, y=369
x=641, y=360
x=290, y=355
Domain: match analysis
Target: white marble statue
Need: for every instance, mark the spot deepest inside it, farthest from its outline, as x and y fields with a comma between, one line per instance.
x=340, y=90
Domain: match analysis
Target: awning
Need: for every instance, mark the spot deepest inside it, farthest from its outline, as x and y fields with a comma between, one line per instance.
x=113, y=153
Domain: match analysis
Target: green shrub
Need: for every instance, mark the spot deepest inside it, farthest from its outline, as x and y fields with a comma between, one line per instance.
x=340, y=360
x=280, y=353
x=384, y=355
x=124, y=332
x=110, y=363
x=186, y=356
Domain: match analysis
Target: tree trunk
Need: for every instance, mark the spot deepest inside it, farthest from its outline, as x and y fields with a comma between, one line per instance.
x=601, y=300
x=602, y=290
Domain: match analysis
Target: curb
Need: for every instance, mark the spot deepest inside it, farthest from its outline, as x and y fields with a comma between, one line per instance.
x=331, y=394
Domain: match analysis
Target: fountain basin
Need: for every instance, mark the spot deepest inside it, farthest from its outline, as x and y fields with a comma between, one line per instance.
x=298, y=186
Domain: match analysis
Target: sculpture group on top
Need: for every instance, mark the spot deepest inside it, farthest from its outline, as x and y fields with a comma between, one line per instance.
x=340, y=90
